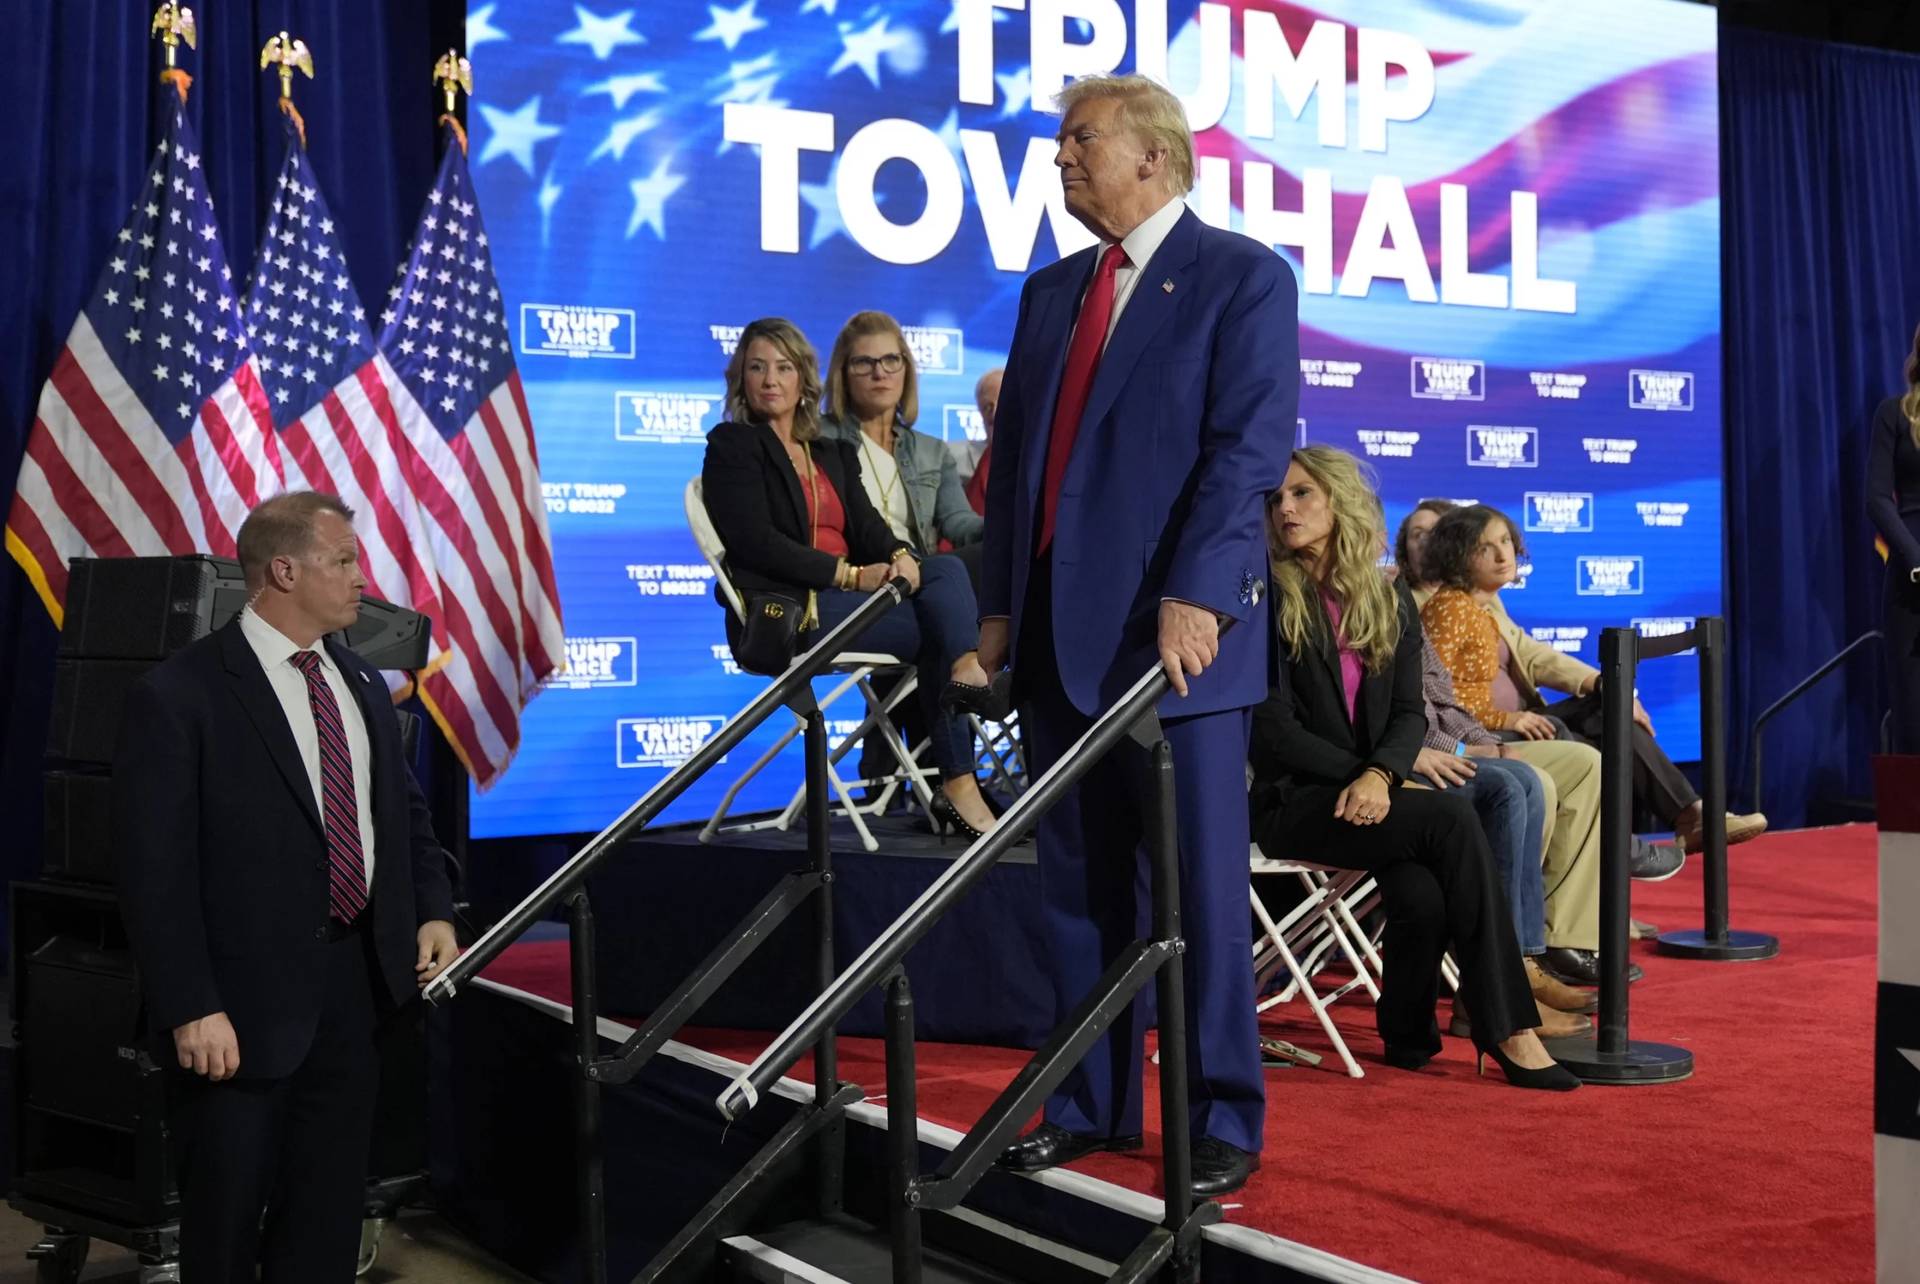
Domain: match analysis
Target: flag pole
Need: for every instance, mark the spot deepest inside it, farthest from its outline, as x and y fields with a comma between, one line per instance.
x=287, y=55
x=453, y=74
x=173, y=23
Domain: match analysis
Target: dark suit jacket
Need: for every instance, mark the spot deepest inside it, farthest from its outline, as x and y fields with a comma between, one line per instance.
x=1188, y=425
x=1301, y=735
x=760, y=511
x=223, y=863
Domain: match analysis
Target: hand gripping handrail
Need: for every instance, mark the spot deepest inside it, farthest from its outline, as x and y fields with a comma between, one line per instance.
x=867, y=971
x=562, y=882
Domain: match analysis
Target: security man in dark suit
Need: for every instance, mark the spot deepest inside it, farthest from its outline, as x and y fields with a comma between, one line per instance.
x=284, y=892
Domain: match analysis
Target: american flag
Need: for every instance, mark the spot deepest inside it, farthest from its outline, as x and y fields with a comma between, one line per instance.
x=153, y=434
x=455, y=401
x=327, y=386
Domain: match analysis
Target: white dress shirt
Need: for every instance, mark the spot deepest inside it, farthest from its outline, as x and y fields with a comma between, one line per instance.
x=1140, y=245
x=880, y=474
x=275, y=652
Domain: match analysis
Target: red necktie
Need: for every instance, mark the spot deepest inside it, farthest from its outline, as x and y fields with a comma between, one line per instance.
x=340, y=812
x=1083, y=359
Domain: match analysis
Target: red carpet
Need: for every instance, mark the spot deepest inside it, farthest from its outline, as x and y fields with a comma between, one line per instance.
x=1757, y=1168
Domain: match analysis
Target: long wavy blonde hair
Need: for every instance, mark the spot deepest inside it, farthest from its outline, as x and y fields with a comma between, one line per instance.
x=1370, y=611
x=1910, y=404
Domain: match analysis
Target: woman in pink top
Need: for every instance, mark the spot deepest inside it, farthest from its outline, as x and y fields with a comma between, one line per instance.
x=1333, y=746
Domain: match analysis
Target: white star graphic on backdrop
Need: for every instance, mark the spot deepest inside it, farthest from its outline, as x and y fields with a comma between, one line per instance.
x=824, y=200
x=862, y=49
x=824, y=6
x=621, y=88
x=650, y=198
x=602, y=35
x=748, y=82
x=1913, y=1057
x=480, y=28
x=623, y=133
x=1017, y=86
x=516, y=133
x=729, y=26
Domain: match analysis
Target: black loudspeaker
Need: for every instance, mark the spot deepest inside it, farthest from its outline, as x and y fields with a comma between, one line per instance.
x=146, y=608
x=87, y=698
x=78, y=840
x=90, y=1104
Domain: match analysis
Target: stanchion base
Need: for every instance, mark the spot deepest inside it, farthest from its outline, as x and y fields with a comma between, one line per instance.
x=1638, y=1063
x=1735, y=947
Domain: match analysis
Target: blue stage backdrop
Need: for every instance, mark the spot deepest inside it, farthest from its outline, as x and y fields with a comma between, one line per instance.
x=1504, y=217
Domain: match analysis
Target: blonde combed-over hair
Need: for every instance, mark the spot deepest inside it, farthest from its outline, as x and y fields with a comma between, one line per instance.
x=1151, y=111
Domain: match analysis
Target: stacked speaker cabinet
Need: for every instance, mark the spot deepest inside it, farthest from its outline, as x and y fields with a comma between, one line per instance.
x=90, y=1117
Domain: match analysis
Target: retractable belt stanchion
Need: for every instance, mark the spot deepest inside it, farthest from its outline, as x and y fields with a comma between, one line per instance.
x=1716, y=942
x=1607, y=1055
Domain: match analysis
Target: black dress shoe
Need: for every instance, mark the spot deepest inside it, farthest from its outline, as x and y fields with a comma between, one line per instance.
x=1579, y=967
x=1220, y=1167
x=1050, y=1145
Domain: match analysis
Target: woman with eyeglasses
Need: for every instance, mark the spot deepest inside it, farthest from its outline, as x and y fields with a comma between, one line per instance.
x=873, y=400
x=1333, y=748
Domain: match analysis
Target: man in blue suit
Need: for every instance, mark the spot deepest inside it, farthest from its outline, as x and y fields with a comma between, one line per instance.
x=1148, y=407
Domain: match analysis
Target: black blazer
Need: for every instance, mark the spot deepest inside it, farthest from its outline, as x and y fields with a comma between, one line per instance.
x=223, y=863
x=1301, y=735
x=1893, y=484
x=760, y=511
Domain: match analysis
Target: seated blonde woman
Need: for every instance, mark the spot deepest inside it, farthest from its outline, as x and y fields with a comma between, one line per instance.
x=1333, y=747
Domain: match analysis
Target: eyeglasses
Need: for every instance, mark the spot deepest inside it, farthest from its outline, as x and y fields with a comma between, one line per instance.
x=868, y=366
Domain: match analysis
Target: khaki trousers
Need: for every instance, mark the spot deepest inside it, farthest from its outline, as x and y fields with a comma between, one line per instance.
x=1571, y=844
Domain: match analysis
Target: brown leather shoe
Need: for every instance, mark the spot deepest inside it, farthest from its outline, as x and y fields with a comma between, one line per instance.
x=1552, y=992
x=1693, y=837
x=1559, y=1025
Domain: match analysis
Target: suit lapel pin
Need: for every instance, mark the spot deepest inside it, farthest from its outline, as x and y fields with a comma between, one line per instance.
x=1167, y=285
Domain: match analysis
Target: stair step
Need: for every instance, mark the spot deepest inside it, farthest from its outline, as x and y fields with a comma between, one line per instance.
x=845, y=1250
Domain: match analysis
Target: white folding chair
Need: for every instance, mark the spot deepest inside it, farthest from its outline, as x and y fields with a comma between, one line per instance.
x=856, y=670
x=1303, y=940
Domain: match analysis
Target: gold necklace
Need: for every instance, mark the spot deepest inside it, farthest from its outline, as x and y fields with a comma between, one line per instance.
x=886, y=488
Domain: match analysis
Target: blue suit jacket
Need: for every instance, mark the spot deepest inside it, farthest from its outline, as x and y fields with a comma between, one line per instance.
x=1189, y=425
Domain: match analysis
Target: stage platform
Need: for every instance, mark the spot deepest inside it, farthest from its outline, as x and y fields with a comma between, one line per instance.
x=1759, y=1167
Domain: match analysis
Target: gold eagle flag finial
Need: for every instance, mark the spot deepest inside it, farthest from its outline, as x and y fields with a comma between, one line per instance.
x=453, y=73
x=173, y=23
x=286, y=55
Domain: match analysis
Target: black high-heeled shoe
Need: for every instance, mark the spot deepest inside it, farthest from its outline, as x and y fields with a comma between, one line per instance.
x=993, y=702
x=945, y=816
x=1553, y=1078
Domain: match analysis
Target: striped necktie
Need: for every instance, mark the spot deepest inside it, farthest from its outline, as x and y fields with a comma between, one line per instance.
x=346, y=864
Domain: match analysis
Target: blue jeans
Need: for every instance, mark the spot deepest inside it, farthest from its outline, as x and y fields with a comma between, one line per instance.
x=1512, y=807
x=930, y=630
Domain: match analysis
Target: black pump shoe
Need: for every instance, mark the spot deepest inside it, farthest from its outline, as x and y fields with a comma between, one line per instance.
x=945, y=816
x=1553, y=1078
x=993, y=702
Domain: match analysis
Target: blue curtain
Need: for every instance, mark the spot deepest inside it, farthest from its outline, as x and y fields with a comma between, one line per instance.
x=78, y=90
x=1820, y=149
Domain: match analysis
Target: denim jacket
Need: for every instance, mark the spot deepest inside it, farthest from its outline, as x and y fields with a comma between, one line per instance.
x=937, y=504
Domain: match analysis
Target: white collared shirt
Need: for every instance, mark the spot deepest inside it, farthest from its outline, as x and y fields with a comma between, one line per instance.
x=275, y=652
x=1140, y=245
